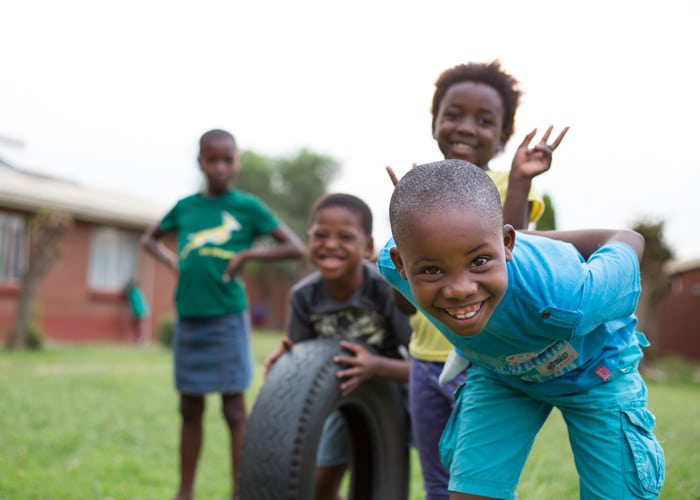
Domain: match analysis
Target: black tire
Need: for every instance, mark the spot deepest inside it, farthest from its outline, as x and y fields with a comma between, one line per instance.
x=284, y=428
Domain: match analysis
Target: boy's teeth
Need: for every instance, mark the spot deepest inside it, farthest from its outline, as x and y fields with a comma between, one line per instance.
x=465, y=315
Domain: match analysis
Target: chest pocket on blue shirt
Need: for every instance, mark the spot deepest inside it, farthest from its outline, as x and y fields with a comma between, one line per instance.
x=559, y=318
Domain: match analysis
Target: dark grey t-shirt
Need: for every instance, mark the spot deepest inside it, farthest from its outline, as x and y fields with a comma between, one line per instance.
x=369, y=316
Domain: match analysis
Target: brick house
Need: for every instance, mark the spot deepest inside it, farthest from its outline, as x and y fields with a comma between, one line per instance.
x=82, y=295
x=679, y=321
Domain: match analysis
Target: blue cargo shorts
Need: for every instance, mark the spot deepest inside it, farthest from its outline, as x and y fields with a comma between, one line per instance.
x=491, y=431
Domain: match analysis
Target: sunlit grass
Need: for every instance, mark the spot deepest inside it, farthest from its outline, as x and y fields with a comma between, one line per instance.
x=101, y=422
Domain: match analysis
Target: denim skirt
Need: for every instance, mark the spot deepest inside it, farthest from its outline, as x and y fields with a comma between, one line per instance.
x=213, y=355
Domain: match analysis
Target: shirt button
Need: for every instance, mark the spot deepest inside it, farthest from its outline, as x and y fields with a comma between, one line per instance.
x=546, y=314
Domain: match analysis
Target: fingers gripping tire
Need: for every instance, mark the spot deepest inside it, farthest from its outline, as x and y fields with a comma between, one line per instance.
x=284, y=428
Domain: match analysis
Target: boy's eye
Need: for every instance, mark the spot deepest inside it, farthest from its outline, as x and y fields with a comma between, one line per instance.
x=485, y=122
x=214, y=161
x=480, y=261
x=451, y=115
x=431, y=270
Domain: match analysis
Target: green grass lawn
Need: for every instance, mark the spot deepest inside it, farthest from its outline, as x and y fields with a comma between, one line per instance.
x=101, y=422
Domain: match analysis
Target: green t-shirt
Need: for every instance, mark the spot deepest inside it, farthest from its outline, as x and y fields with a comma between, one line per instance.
x=209, y=233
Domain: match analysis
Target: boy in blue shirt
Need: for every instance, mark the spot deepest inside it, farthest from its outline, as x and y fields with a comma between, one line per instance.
x=547, y=319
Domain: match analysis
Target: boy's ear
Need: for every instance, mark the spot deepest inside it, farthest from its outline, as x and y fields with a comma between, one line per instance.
x=504, y=140
x=369, y=249
x=398, y=261
x=236, y=162
x=508, y=240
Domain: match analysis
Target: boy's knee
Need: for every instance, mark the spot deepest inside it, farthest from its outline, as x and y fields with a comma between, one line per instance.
x=191, y=409
x=234, y=414
x=327, y=482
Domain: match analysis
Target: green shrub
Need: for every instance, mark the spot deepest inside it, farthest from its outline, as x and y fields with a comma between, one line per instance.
x=166, y=330
x=35, y=337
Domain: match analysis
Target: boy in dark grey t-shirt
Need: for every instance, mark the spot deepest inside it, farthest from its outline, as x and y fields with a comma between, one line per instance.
x=346, y=299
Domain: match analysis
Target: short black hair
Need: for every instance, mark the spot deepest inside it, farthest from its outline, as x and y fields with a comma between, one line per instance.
x=215, y=133
x=490, y=74
x=441, y=187
x=350, y=202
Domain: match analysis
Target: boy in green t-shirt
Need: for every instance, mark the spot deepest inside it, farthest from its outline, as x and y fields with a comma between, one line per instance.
x=215, y=231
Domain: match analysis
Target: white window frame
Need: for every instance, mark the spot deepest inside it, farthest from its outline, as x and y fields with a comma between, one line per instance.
x=13, y=247
x=113, y=259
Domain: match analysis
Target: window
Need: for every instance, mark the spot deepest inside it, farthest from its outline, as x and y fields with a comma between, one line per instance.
x=113, y=256
x=13, y=240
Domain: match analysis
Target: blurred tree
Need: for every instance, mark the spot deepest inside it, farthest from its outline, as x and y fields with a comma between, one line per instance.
x=255, y=176
x=304, y=178
x=655, y=282
x=48, y=228
x=548, y=221
x=289, y=186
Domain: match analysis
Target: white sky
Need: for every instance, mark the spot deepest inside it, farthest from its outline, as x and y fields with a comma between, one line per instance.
x=116, y=94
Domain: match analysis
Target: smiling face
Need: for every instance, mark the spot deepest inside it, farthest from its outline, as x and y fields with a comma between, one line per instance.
x=469, y=123
x=455, y=263
x=219, y=161
x=338, y=245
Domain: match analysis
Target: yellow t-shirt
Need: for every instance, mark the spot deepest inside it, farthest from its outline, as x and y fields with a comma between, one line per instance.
x=427, y=343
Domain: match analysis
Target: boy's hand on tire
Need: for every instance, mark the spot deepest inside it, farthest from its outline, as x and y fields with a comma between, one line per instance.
x=362, y=365
x=285, y=345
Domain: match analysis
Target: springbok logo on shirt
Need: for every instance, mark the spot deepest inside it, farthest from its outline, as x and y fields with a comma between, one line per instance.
x=215, y=236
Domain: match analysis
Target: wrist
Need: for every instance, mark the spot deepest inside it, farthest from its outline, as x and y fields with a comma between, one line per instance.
x=516, y=176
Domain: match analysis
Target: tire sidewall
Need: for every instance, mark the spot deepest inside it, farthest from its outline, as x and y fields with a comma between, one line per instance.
x=278, y=457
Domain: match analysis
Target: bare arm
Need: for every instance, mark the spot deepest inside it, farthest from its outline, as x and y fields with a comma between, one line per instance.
x=402, y=304
x=289, y=246
x=151, y=241
x=527, y=163
x=588, y=241
x=392, y=175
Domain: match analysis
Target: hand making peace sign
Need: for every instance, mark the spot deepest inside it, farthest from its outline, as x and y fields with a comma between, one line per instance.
x=530, y=162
